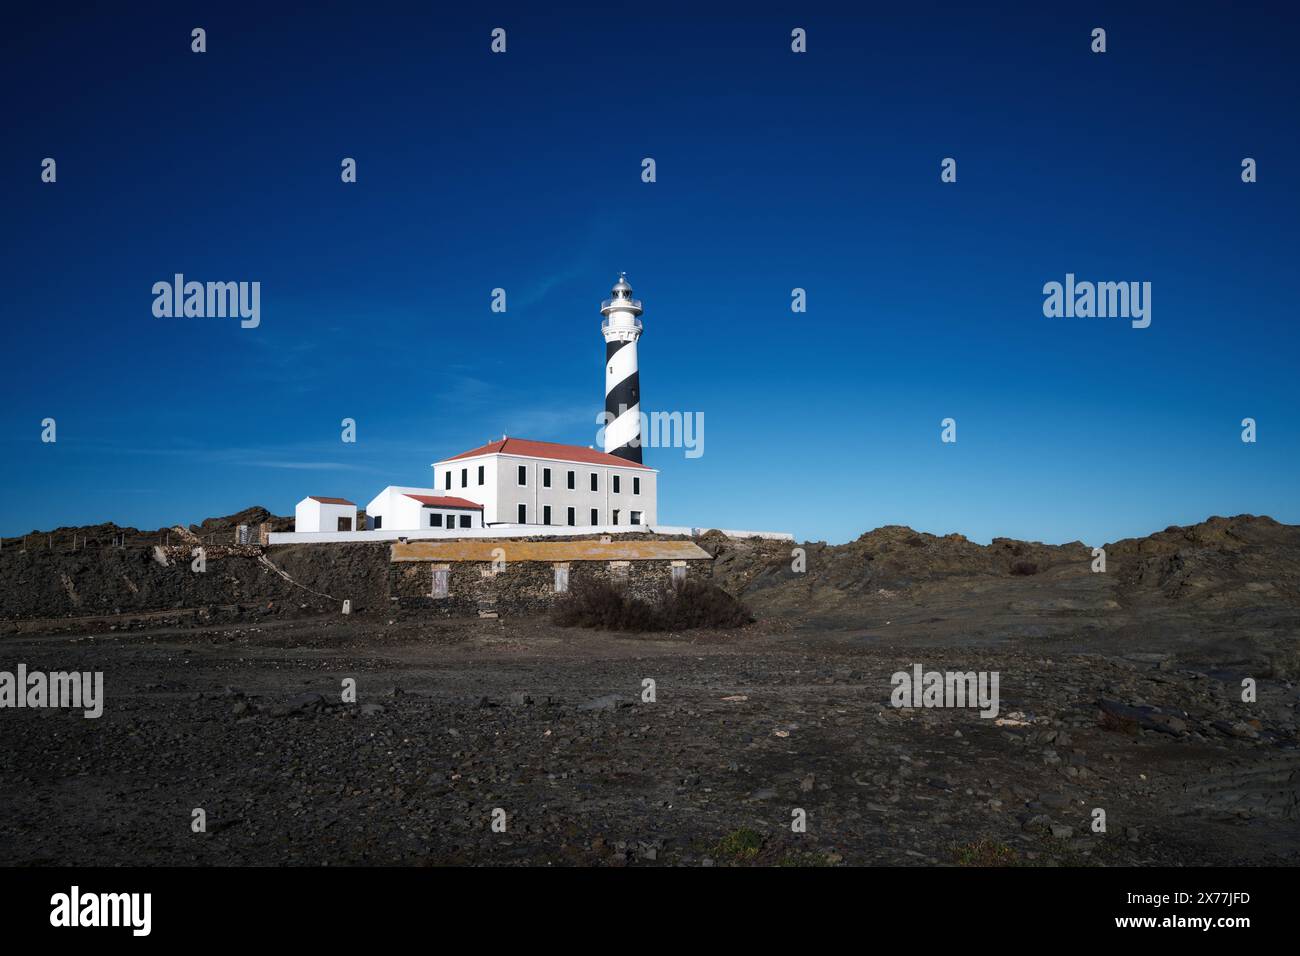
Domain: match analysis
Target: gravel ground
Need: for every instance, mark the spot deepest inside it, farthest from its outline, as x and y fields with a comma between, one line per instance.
x=457, y=719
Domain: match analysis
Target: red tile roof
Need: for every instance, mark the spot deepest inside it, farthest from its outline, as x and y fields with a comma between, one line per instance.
x=547, y=449
x=440, y=502
x=332, y=501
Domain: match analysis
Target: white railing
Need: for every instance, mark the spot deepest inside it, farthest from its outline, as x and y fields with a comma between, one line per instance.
x=506, y=531
x=635, y=324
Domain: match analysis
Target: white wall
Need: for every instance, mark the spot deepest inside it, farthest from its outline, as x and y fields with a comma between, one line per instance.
x=399, y=512
x=402, y=513
x=313, y=515
x=449, y=515
x=484, y=494
x=306, y=516
x=509, y=493
x=505, y=531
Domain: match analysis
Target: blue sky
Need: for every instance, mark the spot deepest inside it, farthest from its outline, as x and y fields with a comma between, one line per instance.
x=775, y=171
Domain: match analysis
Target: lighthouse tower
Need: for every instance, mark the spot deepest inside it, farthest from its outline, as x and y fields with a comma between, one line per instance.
x=621, y=328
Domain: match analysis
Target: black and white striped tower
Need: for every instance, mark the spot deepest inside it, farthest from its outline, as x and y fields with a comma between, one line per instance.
x=621, y=328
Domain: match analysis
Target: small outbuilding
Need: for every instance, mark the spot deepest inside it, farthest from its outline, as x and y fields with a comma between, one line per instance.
x=421, y=509
x=489, y=576
x=318, y=513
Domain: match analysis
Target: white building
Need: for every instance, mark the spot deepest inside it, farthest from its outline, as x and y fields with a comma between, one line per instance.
x=421, y=509
x=523, y=482
x=316, y=513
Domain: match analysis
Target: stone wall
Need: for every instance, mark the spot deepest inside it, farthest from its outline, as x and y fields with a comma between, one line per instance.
x=521, y=587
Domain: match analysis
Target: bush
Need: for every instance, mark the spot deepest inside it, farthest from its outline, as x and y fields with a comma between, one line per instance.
x=700, y=604
x=603, y=605
x=689, y=605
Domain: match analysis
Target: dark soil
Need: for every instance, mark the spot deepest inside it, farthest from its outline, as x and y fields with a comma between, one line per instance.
x=1120, y=691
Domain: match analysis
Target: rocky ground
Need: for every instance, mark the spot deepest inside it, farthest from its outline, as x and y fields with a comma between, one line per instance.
x=1120, y=691
x=453, y=721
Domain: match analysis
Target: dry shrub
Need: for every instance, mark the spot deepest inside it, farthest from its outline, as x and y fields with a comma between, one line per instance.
x=1024, y=568
x=1117, y=723
x=689, y=605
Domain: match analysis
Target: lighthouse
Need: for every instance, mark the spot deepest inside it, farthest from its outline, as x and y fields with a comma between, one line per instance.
x=621, y=328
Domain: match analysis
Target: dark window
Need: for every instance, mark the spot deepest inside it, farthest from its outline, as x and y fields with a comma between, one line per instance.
x=546, y=477
x=345, y=524
x=573, y=517
x=379, y=521
x=636, y=485
x=523, y=474
x=570, y=481
x=464, y=521
x=546, y=514
x=594, y=482
x=480, y=474
x=595, y=517
x=447, y=481
x=523, y=514
x=464, y=477
x=636, y=517
x=435, y=521
x=616, y=484
x=615, y=515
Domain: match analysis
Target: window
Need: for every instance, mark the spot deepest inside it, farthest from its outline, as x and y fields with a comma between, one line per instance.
x=561, y=578
x=636, y=517
x=435, y=521
x=546, y=477
x=465, y=521
x=679, y=573
x=546, y=514
x=595, y=484
x=615, y=480
x=614, y=514
x=573, y=517
x=571, y=476
x=345, y=524
x=378, y=522
x=464, y=477
x=523, y=474
x=446, y=483
x=523, y=514
x=440, y=589
x=480, y=474
x=595, y=516
x=636, y=485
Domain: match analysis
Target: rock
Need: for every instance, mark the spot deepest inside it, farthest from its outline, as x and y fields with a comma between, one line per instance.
x=301, y=704
x=1243, y=730
x=608, y=702
x=1169, y=724
x=1061, y=832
